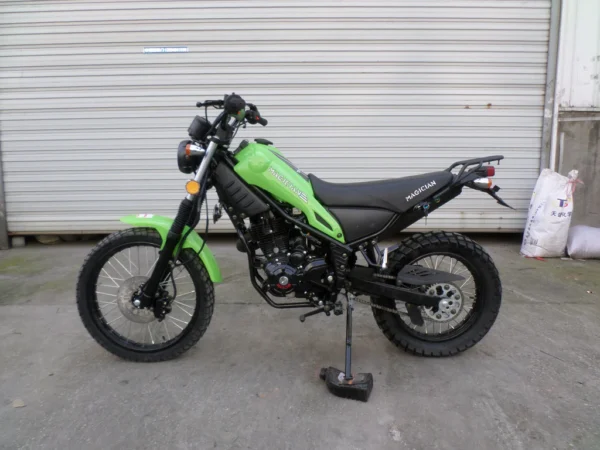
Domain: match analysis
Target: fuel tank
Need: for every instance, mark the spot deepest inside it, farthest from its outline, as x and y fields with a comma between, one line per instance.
x=265, y=167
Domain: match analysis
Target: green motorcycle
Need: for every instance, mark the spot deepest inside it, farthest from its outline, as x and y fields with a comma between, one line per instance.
x=146, y=293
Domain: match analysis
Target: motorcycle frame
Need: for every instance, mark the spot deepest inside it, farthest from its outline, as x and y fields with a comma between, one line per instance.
x=339, y=252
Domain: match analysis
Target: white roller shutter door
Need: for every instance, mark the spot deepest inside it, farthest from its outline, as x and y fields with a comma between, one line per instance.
x=352, y=90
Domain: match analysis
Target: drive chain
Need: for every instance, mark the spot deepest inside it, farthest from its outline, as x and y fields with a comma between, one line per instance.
x=385, y=277
x=383, y=308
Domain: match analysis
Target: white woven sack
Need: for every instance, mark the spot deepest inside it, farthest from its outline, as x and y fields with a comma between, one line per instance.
x=549, y=216
x=584, y=242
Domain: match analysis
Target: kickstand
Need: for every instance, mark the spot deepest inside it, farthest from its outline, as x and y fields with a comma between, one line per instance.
x=343, y=384
x=348, y=364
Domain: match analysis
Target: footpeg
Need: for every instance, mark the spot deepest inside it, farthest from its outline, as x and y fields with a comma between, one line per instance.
x=312, y=313
x=357, y=388
x=338, y=308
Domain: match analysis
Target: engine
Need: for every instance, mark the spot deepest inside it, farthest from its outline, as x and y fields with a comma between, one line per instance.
x=291, y=263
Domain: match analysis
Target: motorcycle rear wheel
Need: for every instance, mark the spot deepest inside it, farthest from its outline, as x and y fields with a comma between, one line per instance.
x=99, y=289
x=486, y=296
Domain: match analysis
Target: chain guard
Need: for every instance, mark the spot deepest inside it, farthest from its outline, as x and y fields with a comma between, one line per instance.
x=383, y=308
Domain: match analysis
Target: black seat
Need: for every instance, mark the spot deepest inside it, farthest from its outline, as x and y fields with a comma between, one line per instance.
x=396, y=194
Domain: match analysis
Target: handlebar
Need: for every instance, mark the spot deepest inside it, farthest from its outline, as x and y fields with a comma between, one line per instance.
x=234, y=104
x=218, y=103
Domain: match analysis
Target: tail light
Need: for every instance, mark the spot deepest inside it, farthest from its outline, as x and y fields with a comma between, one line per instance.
x=490, y=171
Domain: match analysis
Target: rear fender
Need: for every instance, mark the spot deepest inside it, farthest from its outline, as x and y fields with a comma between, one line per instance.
x=492, y=192
x=162, y=225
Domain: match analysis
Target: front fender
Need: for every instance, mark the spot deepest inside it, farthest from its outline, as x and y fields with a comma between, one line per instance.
x=162, y=225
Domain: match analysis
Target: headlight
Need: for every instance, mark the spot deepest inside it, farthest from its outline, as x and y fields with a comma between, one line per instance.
x=189, y=156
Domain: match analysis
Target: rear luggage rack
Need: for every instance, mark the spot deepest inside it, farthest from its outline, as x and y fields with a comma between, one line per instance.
x=478, y=162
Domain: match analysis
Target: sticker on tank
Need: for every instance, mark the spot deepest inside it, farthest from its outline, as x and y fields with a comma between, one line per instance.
x=289, y=185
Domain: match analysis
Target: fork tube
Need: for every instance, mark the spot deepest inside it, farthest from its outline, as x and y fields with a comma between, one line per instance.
x=221, y=135
x=166, y=253
x=210, y=151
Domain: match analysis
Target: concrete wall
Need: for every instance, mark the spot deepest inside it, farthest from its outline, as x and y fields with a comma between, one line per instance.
x=578, y=98
x=579, y=148
x=579, y=68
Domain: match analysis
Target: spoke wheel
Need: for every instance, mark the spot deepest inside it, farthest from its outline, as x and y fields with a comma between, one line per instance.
x=468, y=307
x=122, y=276
x=458, y=306
x=111, y=276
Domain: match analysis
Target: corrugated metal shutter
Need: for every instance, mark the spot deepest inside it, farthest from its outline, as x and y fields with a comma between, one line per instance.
x=352, y=90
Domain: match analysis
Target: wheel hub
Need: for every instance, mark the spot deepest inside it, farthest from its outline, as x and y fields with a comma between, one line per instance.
x=450, y=305
x=125, y=301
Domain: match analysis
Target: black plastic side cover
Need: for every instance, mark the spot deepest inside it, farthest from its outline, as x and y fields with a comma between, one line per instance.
x=235, y=193
x=360, y=222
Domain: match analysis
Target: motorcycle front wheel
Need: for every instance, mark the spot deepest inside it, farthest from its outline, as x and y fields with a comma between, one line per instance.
x=114, y=270
x=468, y=309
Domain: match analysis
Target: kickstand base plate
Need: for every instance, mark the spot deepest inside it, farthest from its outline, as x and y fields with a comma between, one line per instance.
x=358, y=388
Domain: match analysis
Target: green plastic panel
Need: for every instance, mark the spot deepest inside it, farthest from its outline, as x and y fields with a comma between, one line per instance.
x=162, y=225
x=260, y=165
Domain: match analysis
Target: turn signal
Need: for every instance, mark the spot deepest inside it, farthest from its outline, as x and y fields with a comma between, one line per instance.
x=192, y=187
x=192, y=149
x=484, y=183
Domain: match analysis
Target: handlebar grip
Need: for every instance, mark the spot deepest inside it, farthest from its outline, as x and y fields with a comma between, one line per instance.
x=209, y=103
x=234, y=103
x=254, y=117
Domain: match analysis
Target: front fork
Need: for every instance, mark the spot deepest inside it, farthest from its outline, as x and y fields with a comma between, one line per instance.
x=148, y=295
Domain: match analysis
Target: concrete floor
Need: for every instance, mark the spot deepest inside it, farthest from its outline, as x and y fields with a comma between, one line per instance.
x=252, y=383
